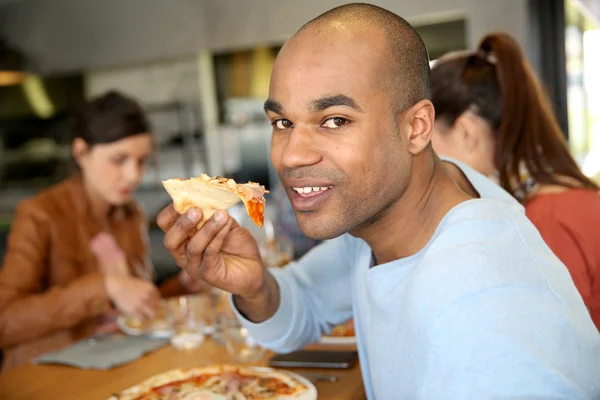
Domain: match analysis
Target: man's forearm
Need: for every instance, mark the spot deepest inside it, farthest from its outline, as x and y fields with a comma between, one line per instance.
x=262, y=306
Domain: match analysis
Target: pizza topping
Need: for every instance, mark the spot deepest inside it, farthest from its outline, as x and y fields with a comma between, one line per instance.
x=222, y=383
x=247, y=191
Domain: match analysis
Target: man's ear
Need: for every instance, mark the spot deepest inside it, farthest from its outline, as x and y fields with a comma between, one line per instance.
x=419, y=119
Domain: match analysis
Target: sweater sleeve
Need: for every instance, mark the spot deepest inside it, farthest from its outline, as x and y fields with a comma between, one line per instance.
x=315, y=296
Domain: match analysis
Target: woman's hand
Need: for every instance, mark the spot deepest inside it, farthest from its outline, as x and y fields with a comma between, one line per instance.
x=132, y=295
x=111, y=259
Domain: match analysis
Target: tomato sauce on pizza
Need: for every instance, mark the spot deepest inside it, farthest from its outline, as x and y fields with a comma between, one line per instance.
x=218, y=383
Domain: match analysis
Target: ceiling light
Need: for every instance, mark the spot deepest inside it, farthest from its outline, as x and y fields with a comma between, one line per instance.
x=11, y=66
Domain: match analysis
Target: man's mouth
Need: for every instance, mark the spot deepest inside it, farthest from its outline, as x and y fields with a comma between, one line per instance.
x=309, y=191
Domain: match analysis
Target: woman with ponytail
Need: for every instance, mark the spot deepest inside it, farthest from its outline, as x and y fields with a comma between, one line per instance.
x=492, y=113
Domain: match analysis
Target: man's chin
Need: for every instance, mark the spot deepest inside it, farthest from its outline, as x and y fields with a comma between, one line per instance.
x=319, y=229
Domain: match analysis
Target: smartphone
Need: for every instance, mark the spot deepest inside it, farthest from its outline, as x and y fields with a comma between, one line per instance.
x=315, y=359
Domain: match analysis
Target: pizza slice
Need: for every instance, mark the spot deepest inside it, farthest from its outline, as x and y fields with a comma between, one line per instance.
x=212, y=194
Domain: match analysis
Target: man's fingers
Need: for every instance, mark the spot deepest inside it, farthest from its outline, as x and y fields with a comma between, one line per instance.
x=214, y=247
x=167, y=217
x=198, y=244
x=179, y=232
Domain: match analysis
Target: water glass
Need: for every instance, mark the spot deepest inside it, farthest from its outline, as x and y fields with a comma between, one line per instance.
x=221, y=310
x=276, y=253
x=163, y=319
x=239, y=344
x=188, y=323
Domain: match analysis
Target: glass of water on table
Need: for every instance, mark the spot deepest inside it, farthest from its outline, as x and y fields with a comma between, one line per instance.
x=230, y=332
x=188, y=323
x=239, y=344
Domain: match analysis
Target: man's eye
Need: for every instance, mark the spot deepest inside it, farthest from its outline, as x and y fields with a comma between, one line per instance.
x=282, y=124
x=335, y=123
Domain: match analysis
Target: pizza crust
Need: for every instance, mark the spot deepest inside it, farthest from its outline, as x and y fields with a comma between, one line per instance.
x=212, y=194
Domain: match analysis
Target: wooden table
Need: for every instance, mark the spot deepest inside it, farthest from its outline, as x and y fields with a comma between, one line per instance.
x=53, y=382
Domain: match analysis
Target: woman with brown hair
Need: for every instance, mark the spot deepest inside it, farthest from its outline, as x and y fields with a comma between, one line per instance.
x=78, y=252
x=492, y=113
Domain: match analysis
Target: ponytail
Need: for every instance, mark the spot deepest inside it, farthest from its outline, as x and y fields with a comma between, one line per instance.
x=528, y=133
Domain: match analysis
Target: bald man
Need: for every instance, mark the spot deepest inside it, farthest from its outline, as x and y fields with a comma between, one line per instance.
x=454, y=297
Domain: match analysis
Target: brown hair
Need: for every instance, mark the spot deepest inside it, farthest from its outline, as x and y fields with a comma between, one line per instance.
x=109, y=118
x=498, y=84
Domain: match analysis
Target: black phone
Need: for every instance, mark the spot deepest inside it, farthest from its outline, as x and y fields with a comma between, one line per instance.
x=315, y=359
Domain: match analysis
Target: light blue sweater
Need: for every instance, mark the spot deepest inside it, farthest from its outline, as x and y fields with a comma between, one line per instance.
x=484, y=311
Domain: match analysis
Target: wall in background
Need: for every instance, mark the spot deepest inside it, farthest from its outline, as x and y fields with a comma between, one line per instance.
x=169, y=91
x=152, y=83
x=66, y=35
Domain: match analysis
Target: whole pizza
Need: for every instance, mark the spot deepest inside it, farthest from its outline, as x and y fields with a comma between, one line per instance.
x=223, y=382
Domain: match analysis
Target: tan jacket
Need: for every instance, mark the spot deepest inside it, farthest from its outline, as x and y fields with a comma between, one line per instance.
x=51, y=291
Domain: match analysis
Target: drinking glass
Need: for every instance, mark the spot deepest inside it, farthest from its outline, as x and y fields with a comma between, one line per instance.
x=239, y=344
x=162, y=322
x=276, y=253
x=221, y=310
x=188, y=323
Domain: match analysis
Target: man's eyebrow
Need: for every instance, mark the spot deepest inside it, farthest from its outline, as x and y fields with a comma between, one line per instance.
x=273, y=106
x=331, y=101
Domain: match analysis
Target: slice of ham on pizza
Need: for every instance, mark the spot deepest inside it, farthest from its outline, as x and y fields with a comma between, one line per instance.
x=211, y=194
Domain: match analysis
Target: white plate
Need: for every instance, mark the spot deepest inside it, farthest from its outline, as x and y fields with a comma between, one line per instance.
x=154, y=333
x=339, y=340
x=128, y=329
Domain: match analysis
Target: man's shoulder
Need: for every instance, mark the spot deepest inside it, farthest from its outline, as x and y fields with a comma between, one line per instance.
x=486, y=188
x=482, y=244
x=485, y=245
x=480, y=219
x=486, y=228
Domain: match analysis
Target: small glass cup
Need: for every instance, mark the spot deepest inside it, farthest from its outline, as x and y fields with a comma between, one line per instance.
x=221, y=311
x=240, y=346
x=162, y=322
x=188, y=324
x=276, y=253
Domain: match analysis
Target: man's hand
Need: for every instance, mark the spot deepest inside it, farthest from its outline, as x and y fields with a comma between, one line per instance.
x=222, y=254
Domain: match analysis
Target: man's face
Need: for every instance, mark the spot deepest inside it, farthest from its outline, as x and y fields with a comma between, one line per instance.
x=336, y=144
